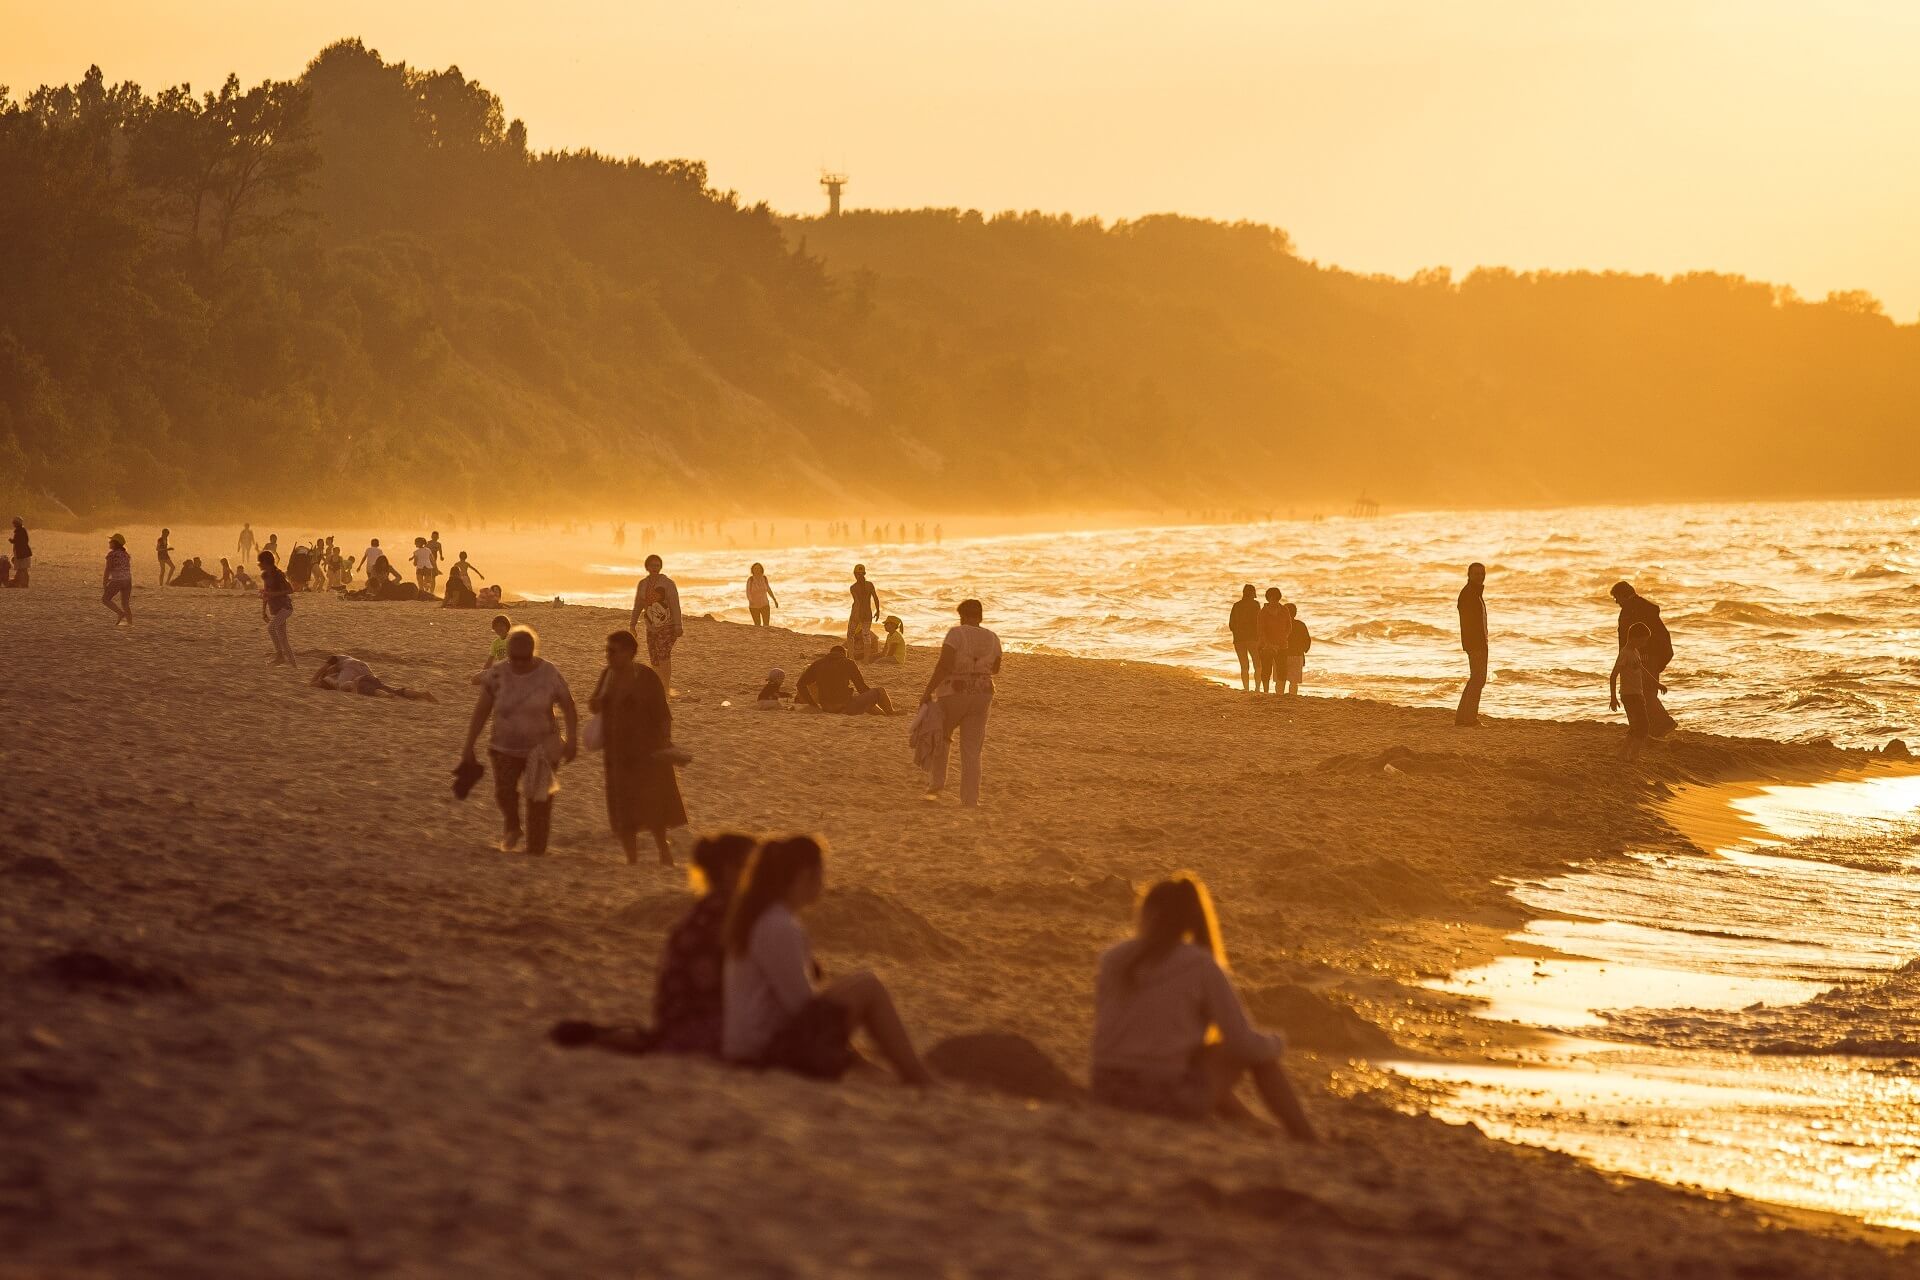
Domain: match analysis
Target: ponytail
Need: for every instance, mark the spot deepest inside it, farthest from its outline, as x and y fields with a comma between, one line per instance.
x=767, y=879
x=1174, y=911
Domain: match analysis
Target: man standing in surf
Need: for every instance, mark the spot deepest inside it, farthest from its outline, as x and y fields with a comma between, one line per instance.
x=1656, y=651
x=1473, y=639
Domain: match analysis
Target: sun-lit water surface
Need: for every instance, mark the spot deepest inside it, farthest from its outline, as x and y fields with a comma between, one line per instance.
x=1750, y=1020
x=1790, y=620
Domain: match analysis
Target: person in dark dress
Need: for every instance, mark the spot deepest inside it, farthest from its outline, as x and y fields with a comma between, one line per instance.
x=1473, y=640
x=637, y=727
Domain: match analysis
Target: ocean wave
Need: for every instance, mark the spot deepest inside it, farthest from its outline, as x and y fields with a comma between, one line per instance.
x=1747, y=613
x=1834, y=700
x=1391, y=629
x=1876, y=571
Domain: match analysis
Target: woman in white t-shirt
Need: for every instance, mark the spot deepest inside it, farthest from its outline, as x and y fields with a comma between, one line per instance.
x=760, y=595
x=772, y=1013
x=519, y=696
x=962, y=685
x=1158, y=996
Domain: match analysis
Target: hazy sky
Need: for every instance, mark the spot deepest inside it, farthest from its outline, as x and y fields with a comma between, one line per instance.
x=1777, y=138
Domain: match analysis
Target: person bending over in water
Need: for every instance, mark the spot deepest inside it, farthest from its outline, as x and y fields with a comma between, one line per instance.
x=1243, y=623
x=350, y=675
x=1157, y=996
x=834, y=683
x=760, y=596
x=1627, y=686
x=772, y=1014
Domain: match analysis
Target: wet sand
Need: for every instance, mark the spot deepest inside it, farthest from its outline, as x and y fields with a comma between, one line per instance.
x=274, y=1005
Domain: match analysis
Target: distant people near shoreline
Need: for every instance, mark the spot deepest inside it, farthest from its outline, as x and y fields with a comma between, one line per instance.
x=247, y=543
x=276, y=608
x=760, y=598
x=460, y=592
x=772, y=1015
x=866, y=606
x=834, y=683
x=116, y=581
x=22, y=554
x=1627, y=686
x=1655, y=654
x=192, y=574
x=656, y=602
x=1243, y=624
x=636, y=736
x=1299, y=642
x=1158, y=999
x=164, y=552
x=1270, y=654
x=961, y=689
x=519, y=696
x=426, y=567
x=348, y=674
x=1472, y=605
x=226, y=573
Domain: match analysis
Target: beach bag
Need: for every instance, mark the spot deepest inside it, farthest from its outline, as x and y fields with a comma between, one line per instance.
x=593, y=734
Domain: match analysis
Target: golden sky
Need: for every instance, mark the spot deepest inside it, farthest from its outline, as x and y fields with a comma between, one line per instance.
x=1776, y=138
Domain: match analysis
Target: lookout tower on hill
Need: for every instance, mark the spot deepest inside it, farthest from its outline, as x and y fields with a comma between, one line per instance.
x=833, y=182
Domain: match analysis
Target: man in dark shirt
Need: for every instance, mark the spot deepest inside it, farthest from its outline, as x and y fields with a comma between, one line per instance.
x=22, y=553
x=834, y=683
x=1655, y=652
x=1244, y=623
x=1473, y=639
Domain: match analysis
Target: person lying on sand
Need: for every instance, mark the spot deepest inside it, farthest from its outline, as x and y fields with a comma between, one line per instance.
x=501, y=624
x=1157, y=996
x=350, y=675
x=834, y=683
x=686, y=996
x=772, y=1015
x=773, y=694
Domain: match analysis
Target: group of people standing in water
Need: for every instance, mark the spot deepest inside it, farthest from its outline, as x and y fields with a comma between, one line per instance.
x=1270, y=640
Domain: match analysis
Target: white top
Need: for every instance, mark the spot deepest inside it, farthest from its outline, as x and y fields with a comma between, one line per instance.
x=757, y=590
x=423, y=558
x=766, y=988
x=976, y=655
x=1154, y=1023
x=348, y=674
x=523, y=705
x=672, y=598
x=368, y=556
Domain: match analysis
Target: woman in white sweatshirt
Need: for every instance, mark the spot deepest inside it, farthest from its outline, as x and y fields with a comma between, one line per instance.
x=1156, y=998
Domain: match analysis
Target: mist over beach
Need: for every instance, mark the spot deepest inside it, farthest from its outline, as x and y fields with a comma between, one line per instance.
x=986, y=641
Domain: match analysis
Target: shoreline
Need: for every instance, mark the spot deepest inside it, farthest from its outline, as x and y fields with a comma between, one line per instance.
x=365, y=987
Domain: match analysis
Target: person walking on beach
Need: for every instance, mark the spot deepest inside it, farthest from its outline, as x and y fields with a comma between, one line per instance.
x=116, y=581
x=1299, y=641
x=519, y=696
x=1270, y=656
x=636, y=733
x=439, y=551
x=22, y=554
x=657, y=601
x=866, y=608
x=759, y=595
x=276, y=608
x=165, y=554
x=1158, y=996
x=1473, y=640
x=1655, y=654
x=771, y=1013
x=247, y=542
x=961, y=688
x=1243, y=623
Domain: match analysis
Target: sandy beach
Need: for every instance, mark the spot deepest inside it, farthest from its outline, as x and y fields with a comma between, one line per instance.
x=274, y=1004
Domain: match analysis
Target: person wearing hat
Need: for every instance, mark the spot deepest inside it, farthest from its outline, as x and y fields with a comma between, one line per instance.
x=116, y=581
x=773, y=693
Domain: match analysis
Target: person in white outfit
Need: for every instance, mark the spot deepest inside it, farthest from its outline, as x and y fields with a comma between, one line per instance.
x=962, y=689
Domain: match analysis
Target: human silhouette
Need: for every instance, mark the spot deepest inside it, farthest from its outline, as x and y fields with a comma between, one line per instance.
x=1473, y=639
x=1244, y=622
x=1655, y=654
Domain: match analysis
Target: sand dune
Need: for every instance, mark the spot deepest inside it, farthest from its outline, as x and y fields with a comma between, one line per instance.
x=274, y=1006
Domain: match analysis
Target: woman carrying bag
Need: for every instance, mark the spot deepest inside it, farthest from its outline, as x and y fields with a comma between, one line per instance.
x=634, y=730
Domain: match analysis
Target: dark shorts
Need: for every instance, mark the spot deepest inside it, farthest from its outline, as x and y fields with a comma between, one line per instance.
x=1188, y=1096
x=817, y=1042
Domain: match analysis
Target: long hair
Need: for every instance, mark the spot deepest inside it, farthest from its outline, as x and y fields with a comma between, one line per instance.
x=768, y=878
x=1178, y=909
x=717, y=861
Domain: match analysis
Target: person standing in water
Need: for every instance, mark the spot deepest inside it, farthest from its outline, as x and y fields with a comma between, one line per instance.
x=1270, y=656
x=1299, y=640
x=962, y=681
x=247, y=542
x=657, y=600
x=1243, y=621
x=165, y=554
x=116, y=581
x=1473, y=640
x=22, y=553
x=1655, y=653
x=637, y=727
x=519, y=696
x=276, y=608
x=759, y=595
x=866, y=609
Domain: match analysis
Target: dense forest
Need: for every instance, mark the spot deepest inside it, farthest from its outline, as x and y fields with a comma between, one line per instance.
x=362, y=290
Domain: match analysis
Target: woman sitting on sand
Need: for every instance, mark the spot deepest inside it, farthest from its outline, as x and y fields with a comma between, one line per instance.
x=637, y=728
x=894, y=648
x=350, y=675
x=1156, y=998
x=773, y=1015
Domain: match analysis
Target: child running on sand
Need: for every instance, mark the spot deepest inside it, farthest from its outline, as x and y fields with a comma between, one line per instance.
x=1627, y=685
x=1156, y=998
x=772, y=1015
x=498, y=652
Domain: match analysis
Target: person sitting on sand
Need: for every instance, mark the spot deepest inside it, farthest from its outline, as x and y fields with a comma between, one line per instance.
x=243, y=580
x=771, y=1013
x=1269, y=656
x=893, y=649
x=1158, y=997
x=1627, y=686
x=350, y=675
x=773, y=694
x=519, y=696
x=226, y=573
x=116, y=581
x=497, y=652
x=192, y=575
x=834, y=683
